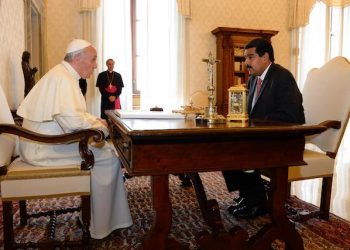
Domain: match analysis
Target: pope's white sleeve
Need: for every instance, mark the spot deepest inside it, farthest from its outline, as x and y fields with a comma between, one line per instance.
x=80, y=121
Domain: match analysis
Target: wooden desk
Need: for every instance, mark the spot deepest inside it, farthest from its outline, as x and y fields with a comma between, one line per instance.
x=159, y=147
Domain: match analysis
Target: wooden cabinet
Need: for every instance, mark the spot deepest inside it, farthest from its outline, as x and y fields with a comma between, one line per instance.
x=231, y=69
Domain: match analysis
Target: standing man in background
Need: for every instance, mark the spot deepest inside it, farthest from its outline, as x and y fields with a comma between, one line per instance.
x=28, y=73
x=273, y=96
x=56, y=106
x=110, y=84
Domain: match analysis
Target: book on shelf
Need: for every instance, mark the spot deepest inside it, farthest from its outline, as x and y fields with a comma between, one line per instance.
x=238, y=80
x=237, y=66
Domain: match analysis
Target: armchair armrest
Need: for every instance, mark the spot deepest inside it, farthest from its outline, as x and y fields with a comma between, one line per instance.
x=335, y=125
x=81, y=136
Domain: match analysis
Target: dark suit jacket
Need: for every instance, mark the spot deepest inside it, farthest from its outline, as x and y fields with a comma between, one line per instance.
x=279, y=98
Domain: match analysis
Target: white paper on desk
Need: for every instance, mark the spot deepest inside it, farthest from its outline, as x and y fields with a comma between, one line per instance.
x=147, y=114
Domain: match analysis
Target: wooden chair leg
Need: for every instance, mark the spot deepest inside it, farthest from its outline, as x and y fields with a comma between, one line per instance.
x=86, y=216
x=49, y=242
x=289, y=189
x=326, y=197
x=8, y=224
x=23, y=212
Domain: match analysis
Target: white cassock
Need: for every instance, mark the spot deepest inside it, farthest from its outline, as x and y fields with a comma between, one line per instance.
x=55, y=106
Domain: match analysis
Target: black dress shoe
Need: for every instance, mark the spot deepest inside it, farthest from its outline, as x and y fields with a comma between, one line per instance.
x=250, y=212
x=241, y=209
x=185, y=180
x=236, y=203
x=186, y=183
x=235, y=209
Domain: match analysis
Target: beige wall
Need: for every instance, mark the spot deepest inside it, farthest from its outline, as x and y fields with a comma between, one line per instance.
x=11, y=47
x=251, y=14
x=206, y=16
x=63, y=24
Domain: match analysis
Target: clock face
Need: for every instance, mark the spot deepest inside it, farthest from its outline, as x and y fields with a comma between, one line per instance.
x=236, y=103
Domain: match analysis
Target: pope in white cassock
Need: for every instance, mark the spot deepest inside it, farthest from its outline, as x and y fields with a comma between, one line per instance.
x=55, y=106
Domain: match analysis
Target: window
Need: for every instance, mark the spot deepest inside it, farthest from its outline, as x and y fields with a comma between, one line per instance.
x=325, y=37
x=335, y=31
x=155, y=52
x=313, y=42
x=346, y=32
x=148, y=55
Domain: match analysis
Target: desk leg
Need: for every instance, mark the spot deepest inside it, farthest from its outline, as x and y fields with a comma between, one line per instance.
x=279, y=217
x=219, y=239
x=209, y=208
x=237, y=238
x=281, y=227
x=157, y=237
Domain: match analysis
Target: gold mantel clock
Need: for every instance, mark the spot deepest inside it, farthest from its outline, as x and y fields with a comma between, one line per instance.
x=237, y=104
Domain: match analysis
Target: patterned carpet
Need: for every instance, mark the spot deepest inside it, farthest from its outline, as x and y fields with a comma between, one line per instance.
x=187, y=220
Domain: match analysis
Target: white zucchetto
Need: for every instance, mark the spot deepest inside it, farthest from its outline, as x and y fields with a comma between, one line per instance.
x=77, y=44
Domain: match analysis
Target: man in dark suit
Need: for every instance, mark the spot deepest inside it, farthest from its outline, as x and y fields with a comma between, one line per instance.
x=273, y=96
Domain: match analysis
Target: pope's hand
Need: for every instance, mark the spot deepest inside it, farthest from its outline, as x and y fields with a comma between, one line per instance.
x=103, y=121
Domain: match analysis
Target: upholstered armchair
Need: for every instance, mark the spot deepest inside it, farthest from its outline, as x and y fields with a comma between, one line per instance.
x=326, y=95
x=21, y=181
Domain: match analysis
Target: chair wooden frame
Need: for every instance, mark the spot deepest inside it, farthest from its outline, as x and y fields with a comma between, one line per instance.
x=82, y=137
x=327, y=181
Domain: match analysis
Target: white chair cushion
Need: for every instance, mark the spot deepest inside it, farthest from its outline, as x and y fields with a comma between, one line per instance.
x=25, y=181
x=7, y=147
x=318, y=165
x=7, y=142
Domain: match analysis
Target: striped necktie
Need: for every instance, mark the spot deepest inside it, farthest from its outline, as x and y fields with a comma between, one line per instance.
x=258, y=86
